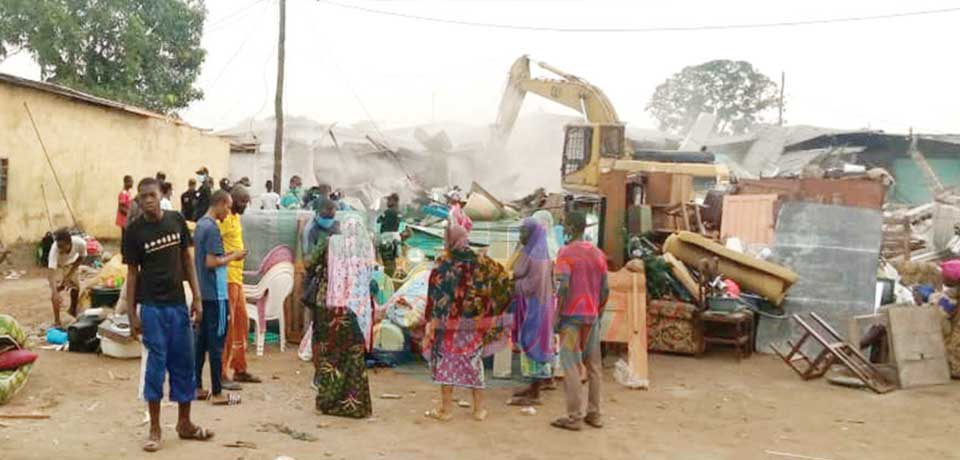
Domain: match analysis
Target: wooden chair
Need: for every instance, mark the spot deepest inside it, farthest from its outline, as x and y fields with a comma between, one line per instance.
x=834, y=350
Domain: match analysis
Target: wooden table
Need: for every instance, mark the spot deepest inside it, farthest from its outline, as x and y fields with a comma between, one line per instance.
x=734, y=329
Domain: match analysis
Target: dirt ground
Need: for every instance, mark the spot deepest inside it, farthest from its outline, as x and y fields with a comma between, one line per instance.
x=707, y=408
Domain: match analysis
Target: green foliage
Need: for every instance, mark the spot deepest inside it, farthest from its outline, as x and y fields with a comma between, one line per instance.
x=142, y=52
x=733, y=90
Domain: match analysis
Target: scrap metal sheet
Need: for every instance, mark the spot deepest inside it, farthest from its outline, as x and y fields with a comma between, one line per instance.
x=835, y=250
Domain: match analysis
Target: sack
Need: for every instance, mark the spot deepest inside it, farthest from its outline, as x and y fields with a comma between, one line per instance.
x=306, y=345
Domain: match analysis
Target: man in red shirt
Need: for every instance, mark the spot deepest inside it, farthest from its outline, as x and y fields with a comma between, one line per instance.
x=123, y=204
x=581, y=272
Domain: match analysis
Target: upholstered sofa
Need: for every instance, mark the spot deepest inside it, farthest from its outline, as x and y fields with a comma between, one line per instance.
x=674, y=327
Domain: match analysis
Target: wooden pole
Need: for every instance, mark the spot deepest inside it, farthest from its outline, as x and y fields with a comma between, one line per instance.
x=278, y=105
x=46, y=155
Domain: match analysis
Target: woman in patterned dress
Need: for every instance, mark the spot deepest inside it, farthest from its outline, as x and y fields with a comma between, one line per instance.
x=467, y=317
x=338, y=291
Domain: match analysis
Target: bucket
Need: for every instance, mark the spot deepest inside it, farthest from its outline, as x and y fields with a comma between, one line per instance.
x=104, y=297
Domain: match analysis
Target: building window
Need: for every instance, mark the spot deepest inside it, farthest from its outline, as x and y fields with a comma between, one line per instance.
x=4, y=165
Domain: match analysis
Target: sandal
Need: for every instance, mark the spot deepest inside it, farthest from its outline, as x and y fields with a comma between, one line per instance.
x=594, y=420
x=230, y=385
x=151, y=446
x=523, y=401
x=202, y=395
x=438, y=415
x=566, y=423
x=232, y=399
x=245, y=377
x=197, y=434
x=480, y=416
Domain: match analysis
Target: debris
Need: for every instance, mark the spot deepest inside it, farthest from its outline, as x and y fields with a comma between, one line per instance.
x=24, y=416
x=788, y=455
x=93, y=406
x=834, y=350
x=284, y=429
x=323, y=425
x=528, y=411
x=241, y=445
x=390, y=396
x=463, y=403
x=855, y=422
x=765, y=278
x=4, y=425
x=917, y=346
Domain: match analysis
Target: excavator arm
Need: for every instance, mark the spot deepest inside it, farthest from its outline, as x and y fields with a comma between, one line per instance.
x=568, y=90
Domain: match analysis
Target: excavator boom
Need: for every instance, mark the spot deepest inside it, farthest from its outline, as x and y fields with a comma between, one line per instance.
x=568, y=90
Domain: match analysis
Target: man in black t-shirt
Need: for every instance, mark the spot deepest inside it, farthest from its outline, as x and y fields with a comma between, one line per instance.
x=156, y=249
x=203, y=197
x=188, y=201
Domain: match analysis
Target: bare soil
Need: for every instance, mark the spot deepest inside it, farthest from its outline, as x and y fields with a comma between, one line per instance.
x=698, y=408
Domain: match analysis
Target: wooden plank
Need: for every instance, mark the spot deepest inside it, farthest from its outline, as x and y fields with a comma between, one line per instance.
x=749, y=218
x=917, y=346
x=637, y=333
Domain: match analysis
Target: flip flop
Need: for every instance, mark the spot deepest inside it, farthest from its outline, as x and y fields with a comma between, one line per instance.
x=202, y=395
x=231, y=400
x=524, y=401
x=151, y=446
x=438, y=415
x=245, y=377
x=231, y=385
x=198, y=434
x=566, y=423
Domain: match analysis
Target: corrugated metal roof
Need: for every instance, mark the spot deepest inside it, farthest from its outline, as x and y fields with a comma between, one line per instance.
x=88, y=98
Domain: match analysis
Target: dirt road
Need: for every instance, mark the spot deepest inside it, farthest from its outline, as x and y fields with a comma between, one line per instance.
x=707, y=408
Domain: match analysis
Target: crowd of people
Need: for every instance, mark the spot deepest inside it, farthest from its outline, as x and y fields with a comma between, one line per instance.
x=546, y=301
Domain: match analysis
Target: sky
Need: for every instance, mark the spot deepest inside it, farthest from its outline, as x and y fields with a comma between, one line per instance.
x=345, y=65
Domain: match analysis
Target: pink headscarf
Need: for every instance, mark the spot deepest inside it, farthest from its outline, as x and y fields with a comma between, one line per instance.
x=951, y=271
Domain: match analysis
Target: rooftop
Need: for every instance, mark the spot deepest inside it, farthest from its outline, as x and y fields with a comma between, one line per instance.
x=69, y=93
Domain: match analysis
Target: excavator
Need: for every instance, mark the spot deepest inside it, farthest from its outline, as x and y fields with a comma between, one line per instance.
x=597, y=160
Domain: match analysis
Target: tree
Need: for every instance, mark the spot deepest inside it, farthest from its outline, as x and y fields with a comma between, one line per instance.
x=141, y=52
x=733, y=90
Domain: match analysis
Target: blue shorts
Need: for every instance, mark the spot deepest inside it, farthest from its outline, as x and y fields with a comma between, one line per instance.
x=168, y=348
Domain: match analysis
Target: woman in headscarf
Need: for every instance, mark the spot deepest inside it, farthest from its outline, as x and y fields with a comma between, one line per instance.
x=533, y=307
x=948, y=300
x=343, y=326
x=546, y=219
x=467, y=318
x=457, y=215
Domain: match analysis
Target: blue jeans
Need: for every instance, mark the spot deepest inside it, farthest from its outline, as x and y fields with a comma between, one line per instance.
x=209, y=341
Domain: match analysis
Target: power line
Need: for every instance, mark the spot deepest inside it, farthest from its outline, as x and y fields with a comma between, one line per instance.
x=705, y=27
x=212, y=27
x=236, y=53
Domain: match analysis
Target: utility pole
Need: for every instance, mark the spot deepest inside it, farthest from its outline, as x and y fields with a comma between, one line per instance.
x=783, y=81
x=278, y=106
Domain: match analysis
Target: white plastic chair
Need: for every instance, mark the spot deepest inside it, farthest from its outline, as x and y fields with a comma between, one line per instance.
x=276, y=284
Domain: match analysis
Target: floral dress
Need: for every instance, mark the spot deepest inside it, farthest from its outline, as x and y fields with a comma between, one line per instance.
x=340, y=373
x=468, y=299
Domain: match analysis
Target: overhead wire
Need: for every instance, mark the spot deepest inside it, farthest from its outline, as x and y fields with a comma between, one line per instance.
x=702, y=27
x=236, y=53
x=229, y=17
